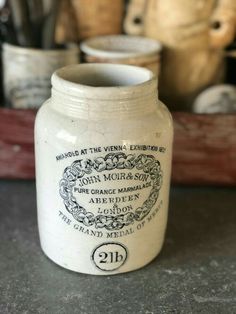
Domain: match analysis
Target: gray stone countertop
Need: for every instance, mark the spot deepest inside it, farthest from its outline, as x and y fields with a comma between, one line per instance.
x=195, y=272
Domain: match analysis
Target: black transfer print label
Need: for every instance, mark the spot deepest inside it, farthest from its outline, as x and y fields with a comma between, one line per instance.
x=108, y=190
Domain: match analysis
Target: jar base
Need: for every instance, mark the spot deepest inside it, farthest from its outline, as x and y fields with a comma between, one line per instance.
x=100, y=273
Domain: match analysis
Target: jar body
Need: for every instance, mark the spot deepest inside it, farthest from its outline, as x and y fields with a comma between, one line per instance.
x=103, y=186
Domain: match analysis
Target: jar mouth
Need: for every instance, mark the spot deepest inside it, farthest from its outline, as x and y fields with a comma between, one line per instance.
x=104, y=80
x=70, y=48
x=120, y=46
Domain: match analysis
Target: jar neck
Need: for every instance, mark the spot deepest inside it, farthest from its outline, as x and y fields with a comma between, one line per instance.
x=103, y=91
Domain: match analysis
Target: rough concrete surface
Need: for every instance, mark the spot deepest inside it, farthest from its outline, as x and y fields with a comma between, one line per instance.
x=195, y=272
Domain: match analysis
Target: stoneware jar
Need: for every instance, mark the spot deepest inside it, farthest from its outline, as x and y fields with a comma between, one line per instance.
x=103, y=161
x=124, y=49
x=27, y=73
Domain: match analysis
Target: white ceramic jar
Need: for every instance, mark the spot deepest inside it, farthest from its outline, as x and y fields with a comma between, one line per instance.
x=103, y=147
x=27, y=73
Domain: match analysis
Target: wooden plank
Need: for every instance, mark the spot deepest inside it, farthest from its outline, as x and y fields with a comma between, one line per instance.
x=17, y=143
x=204, y=147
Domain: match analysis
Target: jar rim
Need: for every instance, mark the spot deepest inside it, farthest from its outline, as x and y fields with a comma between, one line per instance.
x=104, y=81
x=112, y=46
x=70, y=48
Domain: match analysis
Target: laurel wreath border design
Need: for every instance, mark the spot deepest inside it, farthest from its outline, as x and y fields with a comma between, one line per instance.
x=147, y=163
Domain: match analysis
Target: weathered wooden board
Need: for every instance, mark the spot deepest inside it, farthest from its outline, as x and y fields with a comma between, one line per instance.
x=204, y=147
x=17, y=143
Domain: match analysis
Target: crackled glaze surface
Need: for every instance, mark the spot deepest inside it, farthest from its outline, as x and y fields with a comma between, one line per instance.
x=103, y=162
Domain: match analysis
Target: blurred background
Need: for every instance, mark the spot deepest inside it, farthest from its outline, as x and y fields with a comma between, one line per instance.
x=197, y=42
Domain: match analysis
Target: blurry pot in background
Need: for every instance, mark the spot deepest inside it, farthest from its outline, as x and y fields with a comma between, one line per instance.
x=81, y=19
x=98, y=17
x=66, y=27
x=216, y=99
x=123, y=49
x=194, y=34
x=27, y=73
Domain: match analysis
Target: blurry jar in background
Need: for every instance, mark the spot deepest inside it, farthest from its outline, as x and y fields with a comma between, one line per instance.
x=123, y=49
x=27, y=73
